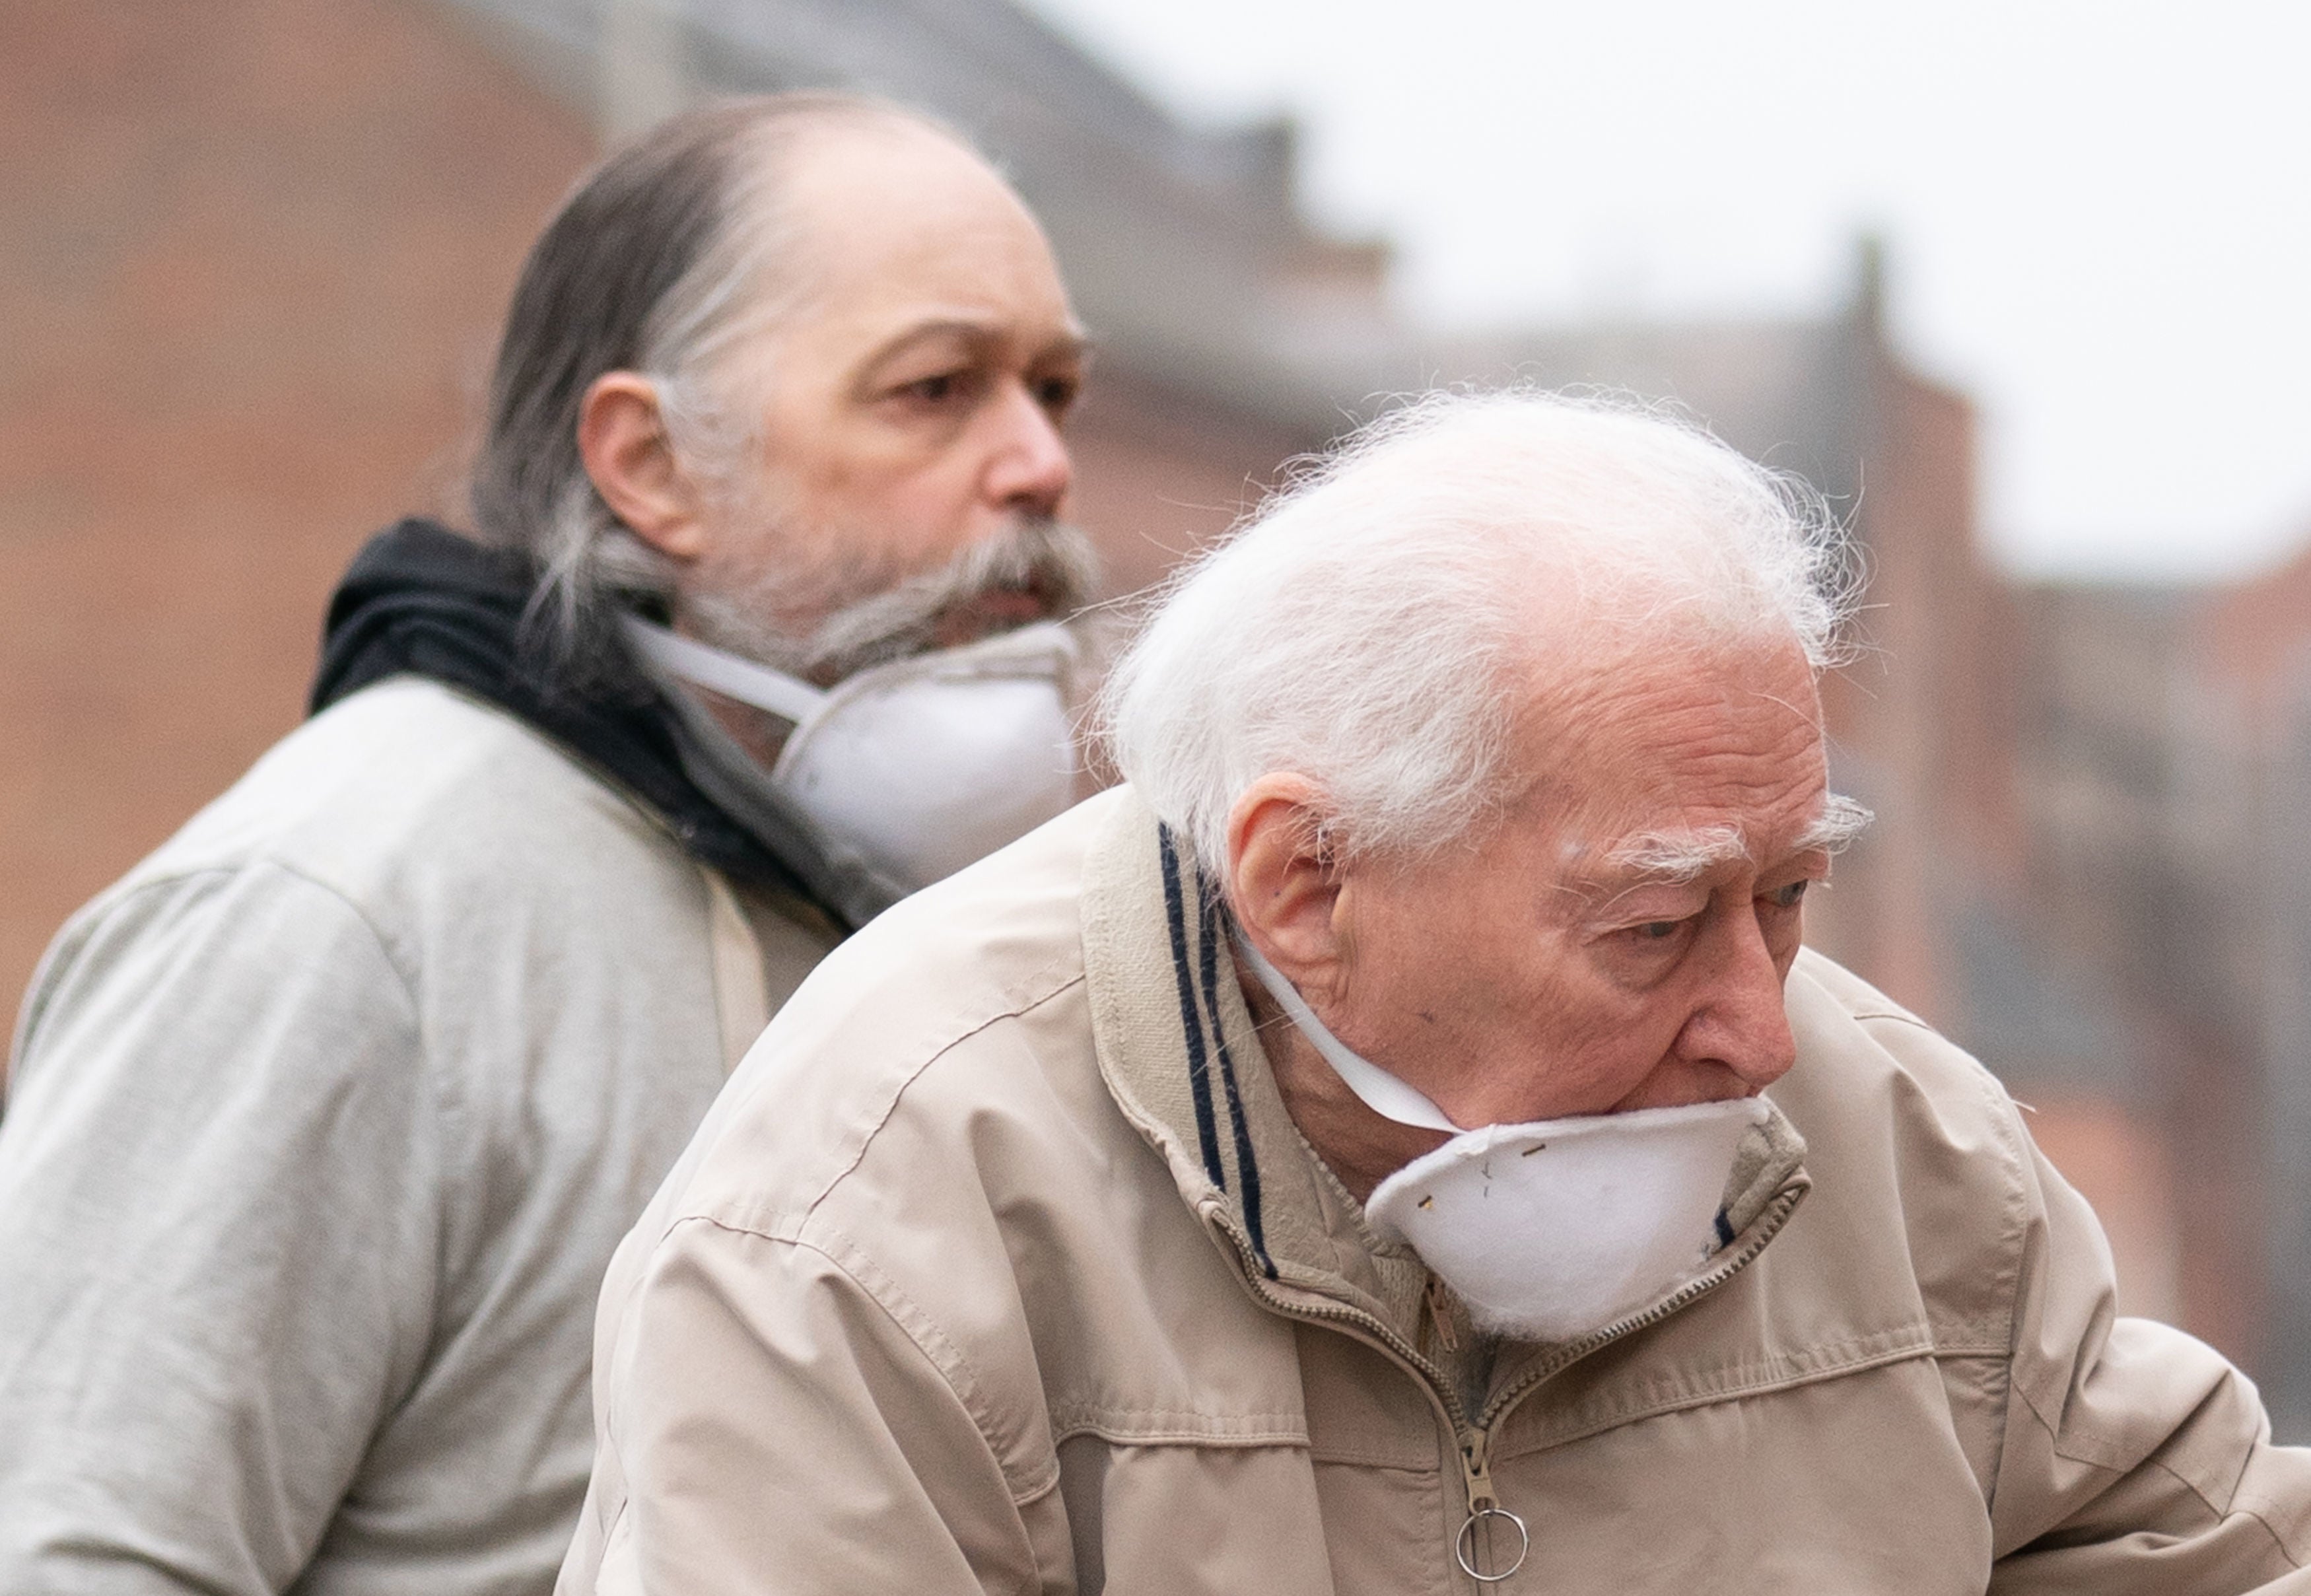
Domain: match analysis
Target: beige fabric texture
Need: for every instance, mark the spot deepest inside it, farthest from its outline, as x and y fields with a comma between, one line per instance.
x=999, y=1266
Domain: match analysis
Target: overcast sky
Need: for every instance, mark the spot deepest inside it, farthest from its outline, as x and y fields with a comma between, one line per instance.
x=2100, y=213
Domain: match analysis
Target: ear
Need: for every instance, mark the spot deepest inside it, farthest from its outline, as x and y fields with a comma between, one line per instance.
x=1283, y=885
x=621, y=438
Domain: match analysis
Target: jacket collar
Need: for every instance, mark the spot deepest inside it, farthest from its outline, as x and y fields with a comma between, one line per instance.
x=424, y=600
x=1179, y=1054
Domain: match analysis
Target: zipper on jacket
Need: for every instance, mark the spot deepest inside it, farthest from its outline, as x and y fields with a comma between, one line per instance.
x=1769, y=1224
x=1476, y=1471
x=1440, y=1314
x=1492, y=1541
x=1474, y=1543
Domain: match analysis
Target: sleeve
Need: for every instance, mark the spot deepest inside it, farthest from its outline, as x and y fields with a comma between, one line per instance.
x=771, y=1424
x=2133, y=1457
x=218, y=1260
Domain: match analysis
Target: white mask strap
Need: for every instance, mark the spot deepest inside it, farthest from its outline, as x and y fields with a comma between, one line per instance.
x=749, y=683
x=1381, y=1092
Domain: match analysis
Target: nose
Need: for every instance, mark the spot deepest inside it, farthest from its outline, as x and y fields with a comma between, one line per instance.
x=1029, y=470
x=1742, y=1021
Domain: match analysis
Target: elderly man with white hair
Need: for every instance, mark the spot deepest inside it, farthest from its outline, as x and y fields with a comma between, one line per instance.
x=1399, y=1142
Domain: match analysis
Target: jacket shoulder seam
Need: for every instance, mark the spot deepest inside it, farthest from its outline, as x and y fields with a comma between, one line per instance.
x=2013, y=1244
x=1017, y=1002
x=141, y=885
x=786, y=1221
x=928, y=1337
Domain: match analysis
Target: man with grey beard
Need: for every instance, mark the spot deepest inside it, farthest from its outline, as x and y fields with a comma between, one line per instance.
x=323, y=1121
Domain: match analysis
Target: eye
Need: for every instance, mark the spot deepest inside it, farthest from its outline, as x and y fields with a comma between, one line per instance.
x=1789, y=896
x=1653, y=936
x=936, y=390
x=1057, y=395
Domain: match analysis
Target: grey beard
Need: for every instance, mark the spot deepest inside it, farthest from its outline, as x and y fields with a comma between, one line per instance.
x=873, y=619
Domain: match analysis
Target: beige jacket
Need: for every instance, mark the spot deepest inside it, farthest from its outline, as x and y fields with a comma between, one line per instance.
x=1001, y=1266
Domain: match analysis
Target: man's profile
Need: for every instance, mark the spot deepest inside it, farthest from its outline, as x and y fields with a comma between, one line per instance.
x=1400, y=1142
x=323, y=1123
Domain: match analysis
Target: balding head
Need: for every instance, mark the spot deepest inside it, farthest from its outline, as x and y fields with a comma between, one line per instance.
x=690, y=259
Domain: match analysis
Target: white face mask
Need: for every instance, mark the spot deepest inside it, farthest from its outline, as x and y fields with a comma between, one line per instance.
x=911, y=770
x=1550, y=1230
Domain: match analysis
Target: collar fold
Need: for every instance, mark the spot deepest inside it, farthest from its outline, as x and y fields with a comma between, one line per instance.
x=420, y=599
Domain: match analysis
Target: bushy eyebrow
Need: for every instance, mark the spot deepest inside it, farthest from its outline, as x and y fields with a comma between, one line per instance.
x=1679, y=857
x=1676, y=857
x=1072, y=345
x=1833, y=830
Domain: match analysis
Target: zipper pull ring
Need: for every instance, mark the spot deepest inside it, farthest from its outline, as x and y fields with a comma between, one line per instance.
x=1472, y=1547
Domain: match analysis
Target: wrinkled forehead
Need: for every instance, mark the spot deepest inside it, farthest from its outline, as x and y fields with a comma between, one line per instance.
x=1676, y=759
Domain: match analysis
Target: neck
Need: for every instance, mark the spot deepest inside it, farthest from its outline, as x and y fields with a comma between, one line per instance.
x=1361, y=1147
x=760, y=733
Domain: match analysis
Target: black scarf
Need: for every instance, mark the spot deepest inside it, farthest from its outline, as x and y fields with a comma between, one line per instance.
x=419, y=598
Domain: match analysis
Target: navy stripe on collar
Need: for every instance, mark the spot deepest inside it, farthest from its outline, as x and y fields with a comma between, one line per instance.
x=1199, y=1079
x=1247, y=1166
x=1197, y=982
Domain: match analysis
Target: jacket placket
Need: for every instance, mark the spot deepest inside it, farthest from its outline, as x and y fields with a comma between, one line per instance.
x=1473, y=1433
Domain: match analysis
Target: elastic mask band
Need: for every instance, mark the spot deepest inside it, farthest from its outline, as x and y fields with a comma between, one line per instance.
x=725, y=672
x=1381, y=1092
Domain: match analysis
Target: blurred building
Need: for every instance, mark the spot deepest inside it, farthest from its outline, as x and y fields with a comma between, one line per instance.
x=252, y=257
x=2106, y=910
x=2250, y=862
x=2167, y=774
x=251, y=252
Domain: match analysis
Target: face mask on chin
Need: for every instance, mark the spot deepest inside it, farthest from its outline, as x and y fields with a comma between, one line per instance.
x=1550, y=1230
x=908, y=771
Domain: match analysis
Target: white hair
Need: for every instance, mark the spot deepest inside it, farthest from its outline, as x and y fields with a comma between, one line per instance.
x=1367, y=626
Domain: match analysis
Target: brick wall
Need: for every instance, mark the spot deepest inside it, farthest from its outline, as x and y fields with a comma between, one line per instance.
x=252, y=255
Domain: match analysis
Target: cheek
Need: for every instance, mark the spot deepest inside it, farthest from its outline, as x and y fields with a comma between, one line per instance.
x=914, y=514
x=1536, y=1039
x=1585, y=1042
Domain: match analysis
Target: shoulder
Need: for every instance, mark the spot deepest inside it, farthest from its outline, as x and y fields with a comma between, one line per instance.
x=961, y=1004
x=508, y=892
x=1916, y=1150
x=448, y=826
x=927, y=1118
x=407, y=776
x=1864, y=1059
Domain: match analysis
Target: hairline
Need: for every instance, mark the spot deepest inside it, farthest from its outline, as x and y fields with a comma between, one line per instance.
x=1413, y=761
x=736, y=371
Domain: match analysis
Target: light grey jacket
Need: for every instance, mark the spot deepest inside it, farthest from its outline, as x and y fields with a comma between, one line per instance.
x=322, y=1126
